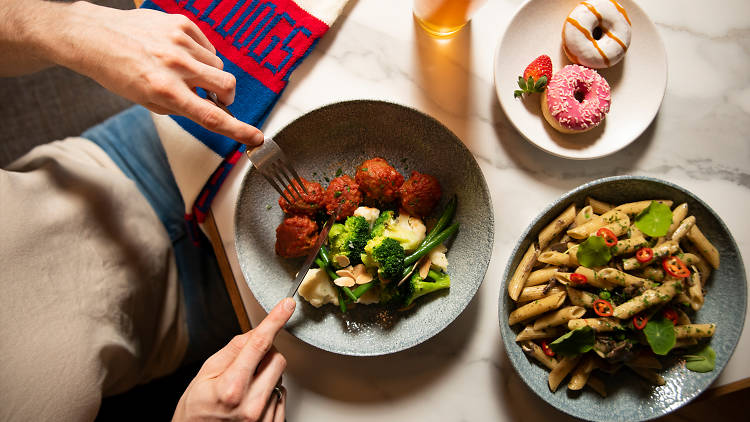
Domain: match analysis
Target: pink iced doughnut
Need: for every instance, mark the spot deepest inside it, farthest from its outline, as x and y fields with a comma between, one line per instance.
x=576, y=99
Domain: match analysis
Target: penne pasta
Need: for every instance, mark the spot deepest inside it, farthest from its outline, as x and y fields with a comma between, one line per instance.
x=685, y=342
x=614, y=276
x=581, y=297
x=558, y=225
x=649, y=298
x=695, y=291
x=559, y=317
x=593, y=279
x=600, y=325
x=537, y=292
x=554, y=258
x=529, y=333
x=649, y=375
x=561, y=370
x=532, y=349
x=581, y=373
x=522, y=272
x=635, y=208
x=686, y=225
x=669, y=247
x=541, y=276
x=678, y=214
x=704, y=269
x=694, y=331
x=536, y=308
x=614, y=220
x=706, y=249
x=599, y=207
x=597, y=385
x=586, y=214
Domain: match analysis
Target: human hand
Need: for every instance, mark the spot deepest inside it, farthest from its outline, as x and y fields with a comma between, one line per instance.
x=152, y=58
x=237, y=383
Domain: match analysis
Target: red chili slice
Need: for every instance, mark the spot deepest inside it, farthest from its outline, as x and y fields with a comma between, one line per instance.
x=578, y=279
x=608, y=235
x=603, y=308
x=639, y=322
x=546, y=349
x=644, y=255
x=675, y=267
x=671, y=315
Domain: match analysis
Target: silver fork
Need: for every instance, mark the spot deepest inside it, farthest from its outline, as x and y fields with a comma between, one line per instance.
x=271, y=162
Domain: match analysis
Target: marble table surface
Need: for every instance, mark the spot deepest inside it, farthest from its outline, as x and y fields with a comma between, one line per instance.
x=700, y=140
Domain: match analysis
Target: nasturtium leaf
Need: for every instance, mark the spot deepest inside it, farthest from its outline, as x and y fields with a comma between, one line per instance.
x=655, y=220
x=660, y=335
x=703, y=360
x=578, y=341
x=593, y=252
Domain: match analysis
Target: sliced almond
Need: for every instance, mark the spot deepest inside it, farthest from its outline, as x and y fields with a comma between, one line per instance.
x=364, y=278
x=346, y=272
x=341, y=260
x=424, y=268
x=413, y=267
x=358, y=270
x=344, y=282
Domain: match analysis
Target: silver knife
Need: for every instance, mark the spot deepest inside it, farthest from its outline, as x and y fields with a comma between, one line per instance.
x=310, y=258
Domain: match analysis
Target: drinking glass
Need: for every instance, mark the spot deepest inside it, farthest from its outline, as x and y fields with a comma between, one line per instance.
x=444, y=18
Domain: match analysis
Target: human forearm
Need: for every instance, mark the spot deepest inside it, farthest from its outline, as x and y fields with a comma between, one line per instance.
x=25, y=26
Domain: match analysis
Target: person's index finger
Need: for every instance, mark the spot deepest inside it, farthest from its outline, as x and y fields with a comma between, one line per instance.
x=211, y=117
x=234, y=380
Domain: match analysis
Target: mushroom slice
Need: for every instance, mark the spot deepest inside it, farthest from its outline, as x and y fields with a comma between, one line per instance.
x=344, y=282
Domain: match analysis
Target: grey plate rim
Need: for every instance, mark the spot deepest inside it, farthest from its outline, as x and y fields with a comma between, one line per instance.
x=503, y=315
x=484, y=264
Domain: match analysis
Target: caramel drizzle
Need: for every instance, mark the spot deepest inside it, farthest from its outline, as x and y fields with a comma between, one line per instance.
x=588, y=36
x=621, y=10
x=596, y=13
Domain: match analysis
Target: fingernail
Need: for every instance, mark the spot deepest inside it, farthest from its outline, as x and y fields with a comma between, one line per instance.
x=257, y=138
x=290, y=304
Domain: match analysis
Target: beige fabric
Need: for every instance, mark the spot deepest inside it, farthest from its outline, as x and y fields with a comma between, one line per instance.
x=89, y=297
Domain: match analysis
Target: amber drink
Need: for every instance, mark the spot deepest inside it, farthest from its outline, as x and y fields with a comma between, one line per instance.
x=443, y=18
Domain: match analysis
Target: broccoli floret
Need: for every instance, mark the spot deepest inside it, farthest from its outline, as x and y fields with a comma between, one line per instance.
x=387, y=255
x=378, y=227
x=418, y=287
x=349, y=239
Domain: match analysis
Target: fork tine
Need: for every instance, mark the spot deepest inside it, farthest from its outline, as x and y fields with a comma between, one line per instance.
x=290, y=181
x=278, y=176
x=290, y=169
x=273, y=183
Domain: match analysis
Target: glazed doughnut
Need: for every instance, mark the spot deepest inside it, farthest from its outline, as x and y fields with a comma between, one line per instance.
x=596, y=33
x=576, y=99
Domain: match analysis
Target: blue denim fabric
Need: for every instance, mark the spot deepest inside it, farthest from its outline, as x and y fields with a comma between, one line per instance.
x=131, y=140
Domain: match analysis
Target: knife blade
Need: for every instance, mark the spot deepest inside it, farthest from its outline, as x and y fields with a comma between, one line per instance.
x=310, y=258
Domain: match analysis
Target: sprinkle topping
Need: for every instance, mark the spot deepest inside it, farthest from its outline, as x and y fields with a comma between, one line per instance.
x=592, y=104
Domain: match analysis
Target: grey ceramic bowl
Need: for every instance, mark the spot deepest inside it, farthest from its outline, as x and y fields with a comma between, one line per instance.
x=631, y=399
x=341, y=136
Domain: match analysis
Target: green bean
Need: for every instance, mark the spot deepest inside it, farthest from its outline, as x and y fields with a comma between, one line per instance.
x=443, y=221
x=363, y=288
x=428, y=246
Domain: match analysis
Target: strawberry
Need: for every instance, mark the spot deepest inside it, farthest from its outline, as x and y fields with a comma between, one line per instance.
x=535, y=76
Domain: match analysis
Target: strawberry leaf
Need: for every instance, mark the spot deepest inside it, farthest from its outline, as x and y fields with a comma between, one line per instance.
x=517, y=93
x=530, y=83
x=540, y=84
x=521, y=83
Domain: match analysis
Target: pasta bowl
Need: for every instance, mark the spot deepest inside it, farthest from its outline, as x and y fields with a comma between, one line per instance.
x=630, y=398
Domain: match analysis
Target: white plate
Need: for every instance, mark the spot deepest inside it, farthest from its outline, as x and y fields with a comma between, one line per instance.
x=637, y=83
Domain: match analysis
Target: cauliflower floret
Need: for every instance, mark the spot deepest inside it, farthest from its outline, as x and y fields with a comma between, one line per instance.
x=370, y=214
x=317, y=289
x=409, y=231
x=438, y=259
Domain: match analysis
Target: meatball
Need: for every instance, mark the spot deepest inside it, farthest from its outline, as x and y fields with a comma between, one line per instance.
x=420, y=194
x=378, y=181
x=310, y=203
x=345, y=191
x=296, y=236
